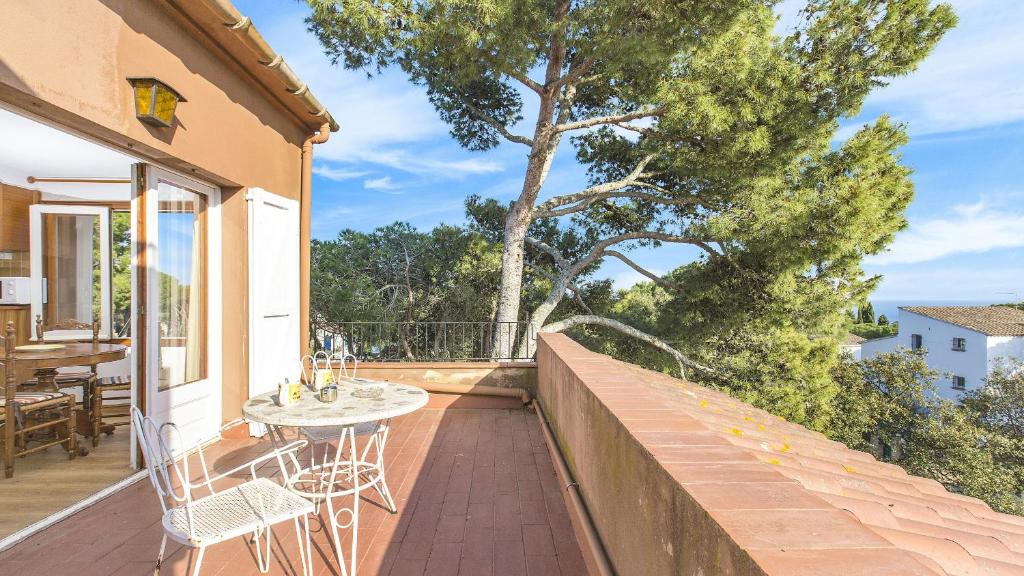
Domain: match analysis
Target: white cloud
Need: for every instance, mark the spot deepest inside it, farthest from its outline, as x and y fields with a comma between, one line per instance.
x=337, y=174
x=424, y=165
x=972, y=79
x=973, y=228
x=384, y=183
x=384, y=120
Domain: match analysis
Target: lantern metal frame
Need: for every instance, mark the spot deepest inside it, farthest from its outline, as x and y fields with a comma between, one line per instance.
x=149, y=116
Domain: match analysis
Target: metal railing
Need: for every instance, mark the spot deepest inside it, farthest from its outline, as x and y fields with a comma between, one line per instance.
x=427, y=341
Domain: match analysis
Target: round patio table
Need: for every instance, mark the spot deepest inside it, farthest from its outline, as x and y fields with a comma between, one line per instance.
x=337, y=477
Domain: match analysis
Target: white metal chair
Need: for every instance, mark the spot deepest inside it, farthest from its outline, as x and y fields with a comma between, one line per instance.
x=370, y=464
x=248, y=508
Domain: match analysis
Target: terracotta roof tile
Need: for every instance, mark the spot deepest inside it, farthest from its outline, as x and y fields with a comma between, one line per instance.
x=990, y=320
x=760, y=476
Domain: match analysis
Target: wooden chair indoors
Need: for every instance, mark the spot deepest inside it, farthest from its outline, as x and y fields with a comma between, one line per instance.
x=111, y=405
x=25, y=415
x=80, y=377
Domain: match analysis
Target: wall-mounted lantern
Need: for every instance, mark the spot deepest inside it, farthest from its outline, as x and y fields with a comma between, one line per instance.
x=155, y=101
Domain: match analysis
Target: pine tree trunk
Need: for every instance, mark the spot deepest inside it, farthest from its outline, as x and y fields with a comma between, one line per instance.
x=517, y=223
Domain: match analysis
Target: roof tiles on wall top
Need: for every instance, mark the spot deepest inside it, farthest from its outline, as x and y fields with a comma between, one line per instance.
x=751, y=469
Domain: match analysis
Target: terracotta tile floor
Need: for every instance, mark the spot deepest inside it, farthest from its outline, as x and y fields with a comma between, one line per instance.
x=476, y=491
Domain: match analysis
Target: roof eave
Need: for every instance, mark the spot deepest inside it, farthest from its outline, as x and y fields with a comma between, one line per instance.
x=268, y=61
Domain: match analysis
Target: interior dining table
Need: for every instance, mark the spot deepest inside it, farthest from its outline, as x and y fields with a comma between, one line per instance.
x=45, y=365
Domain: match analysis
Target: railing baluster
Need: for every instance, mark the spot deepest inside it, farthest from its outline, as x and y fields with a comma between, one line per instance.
x=390, y=341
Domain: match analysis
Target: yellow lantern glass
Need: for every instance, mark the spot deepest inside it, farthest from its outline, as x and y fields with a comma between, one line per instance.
x=155, y=101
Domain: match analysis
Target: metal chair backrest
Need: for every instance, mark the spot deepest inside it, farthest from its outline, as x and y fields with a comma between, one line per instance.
x=341, y=360
x=164, y=469
x=311, y=365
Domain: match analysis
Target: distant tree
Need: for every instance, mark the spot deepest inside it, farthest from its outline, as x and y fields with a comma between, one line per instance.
x=883, y=320
x=697, y=123
x=888, y=405
x=999, y=404
x=872, y=331
x=867, y=314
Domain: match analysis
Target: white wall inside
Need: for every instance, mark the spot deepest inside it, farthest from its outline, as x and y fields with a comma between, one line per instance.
x=43, y=151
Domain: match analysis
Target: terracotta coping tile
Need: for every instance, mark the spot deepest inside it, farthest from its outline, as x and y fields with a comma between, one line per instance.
x=848, y=562
x=868, y=512
x=813, y=480
x=672, y=438
x=797, y=529
x=679, y=423
x=997, y=568
x=979, y=545
x=1013, y=539
x=722, y=473
x=952, y=557
x=755, y=496
x=674, y=454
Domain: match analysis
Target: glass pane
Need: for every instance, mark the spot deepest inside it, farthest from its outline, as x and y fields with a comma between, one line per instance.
x=181, y=267
x=71, y=267
x=121, y=273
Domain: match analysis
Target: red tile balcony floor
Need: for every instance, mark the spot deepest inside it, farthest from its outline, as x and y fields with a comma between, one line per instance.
x=476, y=491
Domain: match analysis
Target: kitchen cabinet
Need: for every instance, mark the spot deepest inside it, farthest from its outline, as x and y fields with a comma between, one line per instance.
x=14, y=205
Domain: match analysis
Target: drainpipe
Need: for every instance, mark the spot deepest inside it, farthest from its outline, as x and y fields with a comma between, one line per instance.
x=305, y=204
x=595, y=555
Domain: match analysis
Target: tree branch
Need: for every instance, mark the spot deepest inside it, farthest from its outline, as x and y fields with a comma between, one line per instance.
x=590, y=319
x=603, y=188
x=576, y=292
x=591, y=200
x=555, y=253
x=600, y=248
x=494, y=123
x=527, y=81
x=615, y=119
x=650, y=275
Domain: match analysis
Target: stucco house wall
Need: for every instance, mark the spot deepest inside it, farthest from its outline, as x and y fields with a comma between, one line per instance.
x=233, y=131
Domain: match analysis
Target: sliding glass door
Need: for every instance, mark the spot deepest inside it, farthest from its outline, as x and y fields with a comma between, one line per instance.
x=180, y=289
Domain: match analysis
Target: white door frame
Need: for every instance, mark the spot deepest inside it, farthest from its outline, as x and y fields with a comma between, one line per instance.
x=36, y=213
x=212, y=385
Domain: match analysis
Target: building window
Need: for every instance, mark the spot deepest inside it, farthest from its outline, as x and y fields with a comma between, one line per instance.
x=959, y=383
x=959, y=344
x=915, y=341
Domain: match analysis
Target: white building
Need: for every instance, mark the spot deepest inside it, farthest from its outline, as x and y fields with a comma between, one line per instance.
x=961, y=342
x=852, y=345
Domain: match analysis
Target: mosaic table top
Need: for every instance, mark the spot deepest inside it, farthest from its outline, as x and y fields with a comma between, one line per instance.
x=396, y=400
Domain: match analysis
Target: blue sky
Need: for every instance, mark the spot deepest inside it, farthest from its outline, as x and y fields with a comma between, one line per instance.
x=394, y=160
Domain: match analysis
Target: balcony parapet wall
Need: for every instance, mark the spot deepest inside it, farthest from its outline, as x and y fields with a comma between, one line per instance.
x=679, y=479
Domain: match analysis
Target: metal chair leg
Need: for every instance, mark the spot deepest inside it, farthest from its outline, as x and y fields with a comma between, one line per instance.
x=264, y=567
x=305, y=550
x=160, y=556
x=199, y=561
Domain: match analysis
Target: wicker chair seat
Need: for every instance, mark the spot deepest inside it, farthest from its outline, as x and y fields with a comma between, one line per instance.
x=32, y=398
x=65, y=379
x=235, y=512
x=114, y=383
x=31, y=401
